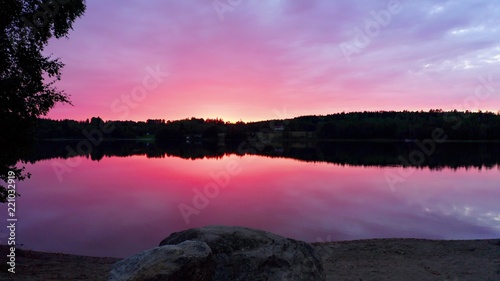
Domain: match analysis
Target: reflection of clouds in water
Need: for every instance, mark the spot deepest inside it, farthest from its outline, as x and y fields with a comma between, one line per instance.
x=440, y=208
x=465, y=206
x=473, y=217
x=492, y=216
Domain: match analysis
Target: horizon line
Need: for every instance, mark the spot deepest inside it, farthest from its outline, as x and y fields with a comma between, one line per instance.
x=290, y=118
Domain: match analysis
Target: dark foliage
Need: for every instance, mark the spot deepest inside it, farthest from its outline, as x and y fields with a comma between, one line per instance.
x=27, y=76
x=392, y=125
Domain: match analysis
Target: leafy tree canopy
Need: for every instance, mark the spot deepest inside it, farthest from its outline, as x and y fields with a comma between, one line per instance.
x=27, y=76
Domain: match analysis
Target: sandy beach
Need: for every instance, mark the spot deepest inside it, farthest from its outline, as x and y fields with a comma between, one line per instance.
x=378, y=259
x=412, y=259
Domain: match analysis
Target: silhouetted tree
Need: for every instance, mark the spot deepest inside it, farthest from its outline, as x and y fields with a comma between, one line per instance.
x=27, y=76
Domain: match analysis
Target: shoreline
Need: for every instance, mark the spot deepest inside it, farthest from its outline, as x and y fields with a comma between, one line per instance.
x=388, y=259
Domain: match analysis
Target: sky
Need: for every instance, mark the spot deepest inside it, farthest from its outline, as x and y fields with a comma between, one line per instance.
x=257, y=60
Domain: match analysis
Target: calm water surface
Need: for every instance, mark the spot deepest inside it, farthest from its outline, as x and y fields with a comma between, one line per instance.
x=118, y=206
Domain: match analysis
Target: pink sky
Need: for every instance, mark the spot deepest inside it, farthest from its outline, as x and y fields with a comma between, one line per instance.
x=276, y=59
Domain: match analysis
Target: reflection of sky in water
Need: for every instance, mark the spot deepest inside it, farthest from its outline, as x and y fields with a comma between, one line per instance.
x=118, y=206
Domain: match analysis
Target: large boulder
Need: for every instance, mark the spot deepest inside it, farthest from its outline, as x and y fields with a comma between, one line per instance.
x=189, y=260
x=242, y=254
x=223, y=253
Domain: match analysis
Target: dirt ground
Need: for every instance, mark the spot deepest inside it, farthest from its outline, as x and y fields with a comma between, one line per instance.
x=411, y=259
x=380, y=259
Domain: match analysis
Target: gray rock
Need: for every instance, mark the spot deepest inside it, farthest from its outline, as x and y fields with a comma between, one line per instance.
x=189, y=260
x=242, y=254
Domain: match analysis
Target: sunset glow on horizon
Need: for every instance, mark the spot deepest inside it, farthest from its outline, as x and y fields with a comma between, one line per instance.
x=260, y=60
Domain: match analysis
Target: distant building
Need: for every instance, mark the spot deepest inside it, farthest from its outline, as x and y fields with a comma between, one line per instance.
x=194, y=138
x=279, y=128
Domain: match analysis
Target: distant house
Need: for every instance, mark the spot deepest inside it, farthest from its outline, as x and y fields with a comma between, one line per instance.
x=194, y=138
x=279, y=128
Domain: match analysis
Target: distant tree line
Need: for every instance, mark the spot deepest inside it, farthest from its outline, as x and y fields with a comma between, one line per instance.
x=408, y=125
x=71, y=129
x=357, y=153
x=399, y=125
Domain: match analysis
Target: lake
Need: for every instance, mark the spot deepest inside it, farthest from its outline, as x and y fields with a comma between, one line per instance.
x=124, y=197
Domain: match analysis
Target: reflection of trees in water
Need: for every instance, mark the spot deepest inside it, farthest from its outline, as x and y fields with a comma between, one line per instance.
x=15, y=144
x=448, y=155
